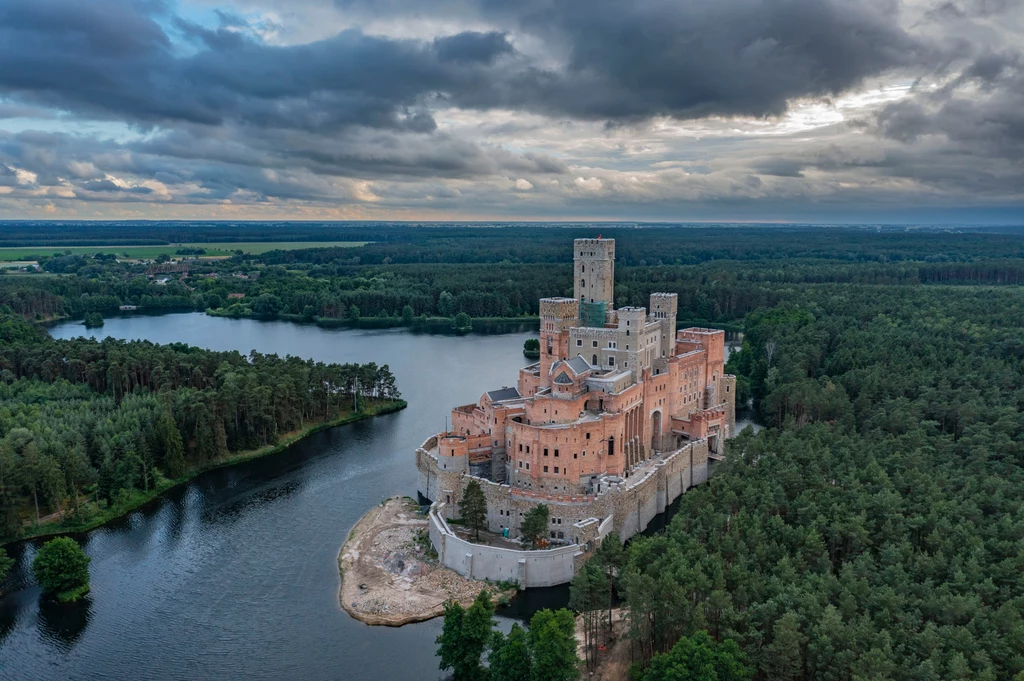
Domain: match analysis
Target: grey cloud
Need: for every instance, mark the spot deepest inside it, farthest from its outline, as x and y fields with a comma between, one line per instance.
x=109, y=186
x=707, y=57
x=621, y=61
x=982, y=112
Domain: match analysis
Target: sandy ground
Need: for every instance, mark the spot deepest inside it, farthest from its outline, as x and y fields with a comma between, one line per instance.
x=614, y=661
x=387, y=579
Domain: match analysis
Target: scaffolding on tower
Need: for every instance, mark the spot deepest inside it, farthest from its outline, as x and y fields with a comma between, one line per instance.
x=593, y=314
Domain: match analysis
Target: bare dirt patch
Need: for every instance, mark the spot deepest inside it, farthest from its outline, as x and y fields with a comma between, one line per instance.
x=387, y=576
x=614, y=653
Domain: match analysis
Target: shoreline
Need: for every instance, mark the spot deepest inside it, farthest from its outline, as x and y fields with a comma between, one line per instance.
x=389, y=578
x=141, y=498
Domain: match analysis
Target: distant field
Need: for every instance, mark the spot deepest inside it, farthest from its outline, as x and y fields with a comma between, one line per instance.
x=212, y=249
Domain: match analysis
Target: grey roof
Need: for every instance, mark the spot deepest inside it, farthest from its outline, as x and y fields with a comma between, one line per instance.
x=504, y=394
x=562, y=379
x=578, y=364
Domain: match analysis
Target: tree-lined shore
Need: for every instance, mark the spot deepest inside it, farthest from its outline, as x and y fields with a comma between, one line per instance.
x=91, y=429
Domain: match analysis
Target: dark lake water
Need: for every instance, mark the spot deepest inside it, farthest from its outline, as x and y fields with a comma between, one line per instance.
x=234, y=575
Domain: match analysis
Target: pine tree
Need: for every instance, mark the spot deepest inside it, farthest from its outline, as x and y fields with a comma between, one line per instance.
x=474, y=507
x=610, y=556
x=174, y=449
x=535, y=524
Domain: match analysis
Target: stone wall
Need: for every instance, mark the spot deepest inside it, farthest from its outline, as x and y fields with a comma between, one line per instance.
x=477, y=561
x=632, y=506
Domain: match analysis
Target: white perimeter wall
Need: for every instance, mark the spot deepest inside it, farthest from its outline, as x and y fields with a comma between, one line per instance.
x=476, y=561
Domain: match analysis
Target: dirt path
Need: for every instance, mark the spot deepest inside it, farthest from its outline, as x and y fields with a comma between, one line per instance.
x=614, y=661
x=387, y=578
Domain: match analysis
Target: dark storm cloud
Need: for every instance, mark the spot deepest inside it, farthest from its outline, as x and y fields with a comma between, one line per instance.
x=980, y=112
x=229, y=115
x=621, y=61
x=113, y=60
x=705, y=57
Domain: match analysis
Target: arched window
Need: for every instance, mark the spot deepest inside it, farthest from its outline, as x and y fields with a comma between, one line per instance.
x=583, y=268
x=583, y=283
x=593, y=362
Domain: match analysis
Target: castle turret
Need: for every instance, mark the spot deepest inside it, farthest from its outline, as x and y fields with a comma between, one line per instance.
x=664, y=307
x=557, y=316
x=594, y=271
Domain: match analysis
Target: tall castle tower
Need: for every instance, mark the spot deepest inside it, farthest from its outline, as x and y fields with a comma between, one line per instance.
x=594, y=271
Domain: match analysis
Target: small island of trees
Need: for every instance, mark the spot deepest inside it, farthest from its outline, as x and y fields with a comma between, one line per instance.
x=62, y=569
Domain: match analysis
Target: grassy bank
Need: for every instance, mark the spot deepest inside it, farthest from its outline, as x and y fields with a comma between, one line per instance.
x=93, y=514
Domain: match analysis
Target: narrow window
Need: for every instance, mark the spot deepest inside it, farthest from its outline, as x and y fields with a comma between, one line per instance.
x=556, y=452
x=545, y=469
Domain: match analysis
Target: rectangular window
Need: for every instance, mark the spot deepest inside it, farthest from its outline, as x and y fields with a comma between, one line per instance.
x=588, y=436
x=595, y=343
x=574, y=455
x=527, y=449
x=545, y=469
x=579, y=342
x=527, y=465
x=520, y=446
x=545, y=451
x=556, y=469
x=556, y=452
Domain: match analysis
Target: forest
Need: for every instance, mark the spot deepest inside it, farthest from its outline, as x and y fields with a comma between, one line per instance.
x=90, y=428
x=417, y=276
x=875, y=528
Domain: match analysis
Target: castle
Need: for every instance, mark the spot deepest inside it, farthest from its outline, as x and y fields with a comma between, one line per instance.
x=616, y=420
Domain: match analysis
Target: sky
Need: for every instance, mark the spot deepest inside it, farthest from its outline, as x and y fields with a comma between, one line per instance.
x=646, y=110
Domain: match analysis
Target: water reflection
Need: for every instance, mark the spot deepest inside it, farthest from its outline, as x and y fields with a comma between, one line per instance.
x=62, y=624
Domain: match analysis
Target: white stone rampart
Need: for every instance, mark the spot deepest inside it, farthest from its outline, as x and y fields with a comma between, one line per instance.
x=625, y=506
x=477, y=561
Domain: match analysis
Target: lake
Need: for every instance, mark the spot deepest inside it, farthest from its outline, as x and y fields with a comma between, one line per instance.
x=235, y=575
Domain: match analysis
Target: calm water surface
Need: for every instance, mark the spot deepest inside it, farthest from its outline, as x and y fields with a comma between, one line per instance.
x=234, y=575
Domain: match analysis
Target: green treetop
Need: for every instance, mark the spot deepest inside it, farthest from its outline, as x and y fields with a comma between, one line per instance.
x=698, y=658
x=535, y=524
x=552, y=639
x=465, y=636
x=509, y=659
x=62, y=568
